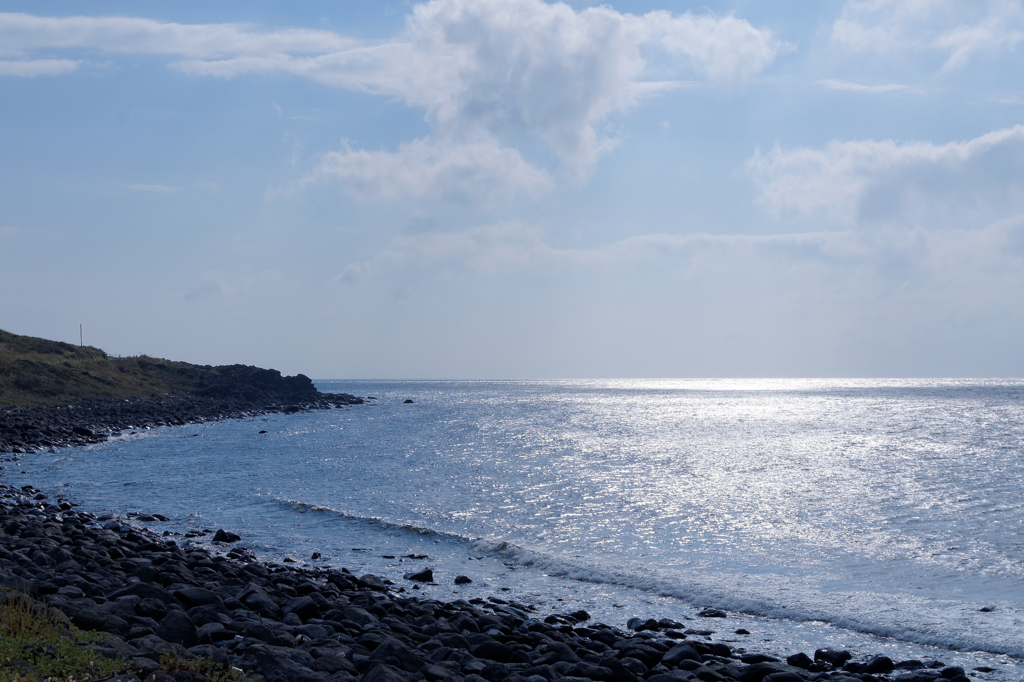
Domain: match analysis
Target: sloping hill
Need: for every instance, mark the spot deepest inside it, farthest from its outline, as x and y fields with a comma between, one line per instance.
x=38, y=372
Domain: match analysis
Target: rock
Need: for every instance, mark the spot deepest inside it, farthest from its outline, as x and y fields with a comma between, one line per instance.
x=799, y=660
x=178, y=628
x=224, y=536
x=196, y=596
x=303, y=607
x=784, y=677
x=684, y=651
x=834, y=657
x=408, y=401
x=255, y=598
x=760, y=671
x=462, y=580
x=381, y=672
x=493, y=651
x=372, y=582
x=712, y=613
x=397, y=655
x=424, y=576
x=879, y=665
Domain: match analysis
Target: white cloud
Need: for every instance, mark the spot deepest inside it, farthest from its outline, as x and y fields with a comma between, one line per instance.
x=30, y=68
x=878, y=180
x=22, y=33
x=480, y=69
x=966, y=263
x=847, y=86
x=427, y=169
x=959, y=28
x=524, y=66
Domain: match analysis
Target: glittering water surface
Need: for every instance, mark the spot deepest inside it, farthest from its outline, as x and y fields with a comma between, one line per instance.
x=876, y=515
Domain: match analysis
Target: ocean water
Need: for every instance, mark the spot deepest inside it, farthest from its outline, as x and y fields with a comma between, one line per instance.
x=880, y=516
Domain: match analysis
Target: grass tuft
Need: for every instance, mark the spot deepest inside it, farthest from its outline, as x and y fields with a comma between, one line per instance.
x=37, y=644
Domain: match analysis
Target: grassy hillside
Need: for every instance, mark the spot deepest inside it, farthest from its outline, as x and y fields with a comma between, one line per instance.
x=36, y=371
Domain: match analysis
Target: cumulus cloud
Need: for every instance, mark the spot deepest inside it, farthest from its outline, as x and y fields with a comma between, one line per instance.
x=959, y=28
x=427, y=169
x=526, y=67
x=30, y=68
x=480, y=69
x=868, y=179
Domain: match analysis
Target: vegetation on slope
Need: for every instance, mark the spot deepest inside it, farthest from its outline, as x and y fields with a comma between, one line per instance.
x=36, y=372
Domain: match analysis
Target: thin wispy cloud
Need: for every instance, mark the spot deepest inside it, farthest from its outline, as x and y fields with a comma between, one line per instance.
x=31, y=68
x=853, y=179
x=960, y=29
x=848, y=86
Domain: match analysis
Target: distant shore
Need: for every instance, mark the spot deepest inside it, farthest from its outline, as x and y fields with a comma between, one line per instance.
x=93, y=420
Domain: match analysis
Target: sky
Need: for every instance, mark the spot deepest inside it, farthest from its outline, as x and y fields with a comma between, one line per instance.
x=489, y=189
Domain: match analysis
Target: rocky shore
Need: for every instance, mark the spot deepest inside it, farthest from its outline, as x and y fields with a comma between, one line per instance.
x=161, y=601
x=93, y=420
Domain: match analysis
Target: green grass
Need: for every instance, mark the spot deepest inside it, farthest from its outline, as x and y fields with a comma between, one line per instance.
x=40, y=372
x=37, y=644
x=36, y=372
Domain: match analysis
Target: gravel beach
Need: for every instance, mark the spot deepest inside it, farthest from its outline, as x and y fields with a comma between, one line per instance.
x=289, y=622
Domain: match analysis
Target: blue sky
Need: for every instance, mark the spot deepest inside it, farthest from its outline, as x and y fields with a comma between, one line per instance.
x=519, y=189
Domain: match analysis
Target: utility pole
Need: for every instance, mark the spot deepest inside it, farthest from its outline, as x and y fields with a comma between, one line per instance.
x=81, y=339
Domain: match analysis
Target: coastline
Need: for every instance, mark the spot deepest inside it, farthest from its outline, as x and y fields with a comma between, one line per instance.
x=94, y=420
x=288, y=622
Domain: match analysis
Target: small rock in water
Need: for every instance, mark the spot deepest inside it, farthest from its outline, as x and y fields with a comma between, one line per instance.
x=983, y=609
x=712, y=613
x=742, y=631
x=836, y=657
x=408, y=400
x=462, y=580
x=424, y=576
x=225, y=536
x=263, y=431
x=315, y=556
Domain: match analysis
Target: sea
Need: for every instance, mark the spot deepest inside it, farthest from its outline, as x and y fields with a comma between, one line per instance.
x=878, y=516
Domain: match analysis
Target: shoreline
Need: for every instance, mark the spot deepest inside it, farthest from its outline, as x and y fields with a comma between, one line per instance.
x=94, y=420
x=294, y=623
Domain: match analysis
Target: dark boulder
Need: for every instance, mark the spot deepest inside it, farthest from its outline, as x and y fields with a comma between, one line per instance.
x=397, y=655
x=224, y=536
x=196, y=596
x=178, y=628
x=303, y=607
x=424, y=576
x=462, y=580
x=834, y=657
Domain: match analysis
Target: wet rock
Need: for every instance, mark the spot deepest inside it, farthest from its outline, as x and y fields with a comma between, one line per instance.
x=800, y=660
x=834, y=657
x=424, y=576
x=462, y=580
x=224, y=536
